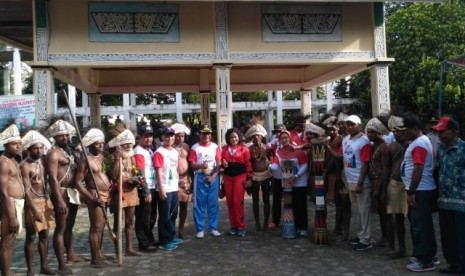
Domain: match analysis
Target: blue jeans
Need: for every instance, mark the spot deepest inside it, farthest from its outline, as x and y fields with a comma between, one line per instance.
x=422, y=227
x=452, y=225
x=167, y=213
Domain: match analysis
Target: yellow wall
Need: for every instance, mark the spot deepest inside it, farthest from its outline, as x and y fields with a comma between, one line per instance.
x=245, y=31
x=69, y=31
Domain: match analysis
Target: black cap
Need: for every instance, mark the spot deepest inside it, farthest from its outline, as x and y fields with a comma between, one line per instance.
x=145, y=130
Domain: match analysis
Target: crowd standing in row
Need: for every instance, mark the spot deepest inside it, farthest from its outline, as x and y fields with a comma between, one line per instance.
x=390, y=168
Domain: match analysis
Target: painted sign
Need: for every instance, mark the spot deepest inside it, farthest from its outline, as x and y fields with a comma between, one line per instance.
x=21, y=108
x=133, y=22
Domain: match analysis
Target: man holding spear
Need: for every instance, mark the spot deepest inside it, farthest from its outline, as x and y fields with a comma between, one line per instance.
x=97, y=191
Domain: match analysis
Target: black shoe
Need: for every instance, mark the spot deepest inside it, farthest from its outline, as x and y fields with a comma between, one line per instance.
x=148, y=249
x=451, y=269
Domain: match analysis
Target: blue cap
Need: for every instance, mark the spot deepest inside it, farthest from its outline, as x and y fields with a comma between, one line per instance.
x=168, y=131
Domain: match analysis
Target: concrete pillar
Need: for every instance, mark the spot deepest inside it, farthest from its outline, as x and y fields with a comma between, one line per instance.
x=305, y=102
x=95, y=112
x=205, y=108
x=279, y=107
x=179, y=107
x=18, y=83
x=44, y=96
x=329, y=96
x=126, y=104
x=314, y=111
x=132, y=116
x=223, y=102
x=72, y=100
x=380, y=98
x=85, y=107
x=6, y=80
x=269, y=114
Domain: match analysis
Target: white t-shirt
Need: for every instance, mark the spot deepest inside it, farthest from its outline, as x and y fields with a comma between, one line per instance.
x=149, y=170
x=167, y=160
x=352, y=158
x=200, y=154
x=414, y=155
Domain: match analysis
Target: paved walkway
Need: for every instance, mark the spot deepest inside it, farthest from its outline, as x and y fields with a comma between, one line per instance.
x=262, y=253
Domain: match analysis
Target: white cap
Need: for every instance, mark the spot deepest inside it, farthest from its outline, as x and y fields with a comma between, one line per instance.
x=354, y=119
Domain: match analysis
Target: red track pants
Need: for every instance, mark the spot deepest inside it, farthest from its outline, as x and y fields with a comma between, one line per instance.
x=235, y=191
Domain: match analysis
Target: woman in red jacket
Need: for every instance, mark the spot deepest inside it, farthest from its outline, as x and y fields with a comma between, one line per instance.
x=237, y=176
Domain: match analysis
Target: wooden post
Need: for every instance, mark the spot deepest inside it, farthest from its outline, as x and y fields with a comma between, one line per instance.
x=120, y=214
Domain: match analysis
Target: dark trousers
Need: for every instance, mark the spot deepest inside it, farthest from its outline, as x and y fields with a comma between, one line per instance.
x=452, y=226
x=342, y=202
x=299, y=205
x=421, y=226
x=168, y=212
x=277, y=197
x=146, y=216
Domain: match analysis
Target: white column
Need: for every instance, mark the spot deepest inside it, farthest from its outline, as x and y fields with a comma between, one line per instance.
x=314, y=111
x=85, y=107
x=44, y=96
x=223, y=102
x=132, y=116
x=380, y=98
x=329, y=96
x=179, y=107
x=72, y=100
x=305, y=102
x=18, y=83
x=126, y=104
x=6, y=79
x=279, y=107
x=269, y=118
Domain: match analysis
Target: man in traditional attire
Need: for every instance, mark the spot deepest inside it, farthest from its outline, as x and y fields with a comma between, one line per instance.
x=61, y=167
x=11, y=195
x=96, y=191
x=185, y=182
x=123, y=143
x=260, y=158
x=39, y=214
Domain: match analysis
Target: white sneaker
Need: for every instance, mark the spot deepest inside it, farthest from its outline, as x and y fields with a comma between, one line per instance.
x=200, y=235
x=215, y=233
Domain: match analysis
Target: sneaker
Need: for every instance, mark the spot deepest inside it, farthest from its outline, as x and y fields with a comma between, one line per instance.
x=232, y=232
x=169, y=246
x=435, y=260
x=332, y=202
x=177, y=241
x=302, y=233
x=240, y=233
x=354, y=241
x=215, y=233
x=200, y=235
x=361, y=246
x=419, y=267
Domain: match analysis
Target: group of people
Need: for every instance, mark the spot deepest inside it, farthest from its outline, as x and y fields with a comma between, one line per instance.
x=390, y=168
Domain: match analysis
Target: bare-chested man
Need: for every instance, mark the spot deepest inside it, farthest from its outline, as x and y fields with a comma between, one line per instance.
x=39, y=215
x=375, y=130
x=11, y=195
x=260, y=158
x=394, y=195
x=123, y=143
x=61, y=168
x=96, y=191
x=185, y=182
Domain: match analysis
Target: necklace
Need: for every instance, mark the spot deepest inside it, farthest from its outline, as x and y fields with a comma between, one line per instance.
x=71, y=166
x=97, y=159
x=257, y=152
x=18, y=174
x=39, y=171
